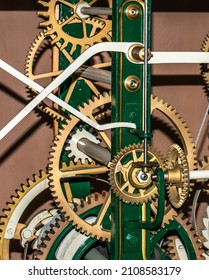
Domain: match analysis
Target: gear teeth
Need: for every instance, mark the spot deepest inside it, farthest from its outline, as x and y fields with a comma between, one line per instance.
x=133, y=198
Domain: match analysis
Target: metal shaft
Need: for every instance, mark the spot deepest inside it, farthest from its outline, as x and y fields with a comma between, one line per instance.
x=145, y=72
x=94, y=151
x=94, y=11
x=94, y=74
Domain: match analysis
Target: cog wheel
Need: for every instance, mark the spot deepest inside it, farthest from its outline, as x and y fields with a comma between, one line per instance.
x=204, y=67
x=64, y=242
x=89, y=30
x=60, y=165
x=178, y=173
x=13, y=225
x=129, y=182
x=187, y=142
x=204, y=165
x=174, y=246
x=72, y=144
x=39, y=47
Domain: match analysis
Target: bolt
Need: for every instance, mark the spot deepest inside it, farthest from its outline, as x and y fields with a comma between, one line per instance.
x=144, y=176
x=132, y=238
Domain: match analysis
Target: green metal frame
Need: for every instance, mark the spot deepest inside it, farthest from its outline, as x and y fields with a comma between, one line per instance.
x=132, y=226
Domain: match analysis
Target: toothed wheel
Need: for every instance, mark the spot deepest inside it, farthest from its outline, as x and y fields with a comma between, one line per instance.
x=178, y=176
x=72, y=144
x=64, y=242
x=89, y=30
x=204, y=67
x=63, y=170
x=181, y=241
x=204, y=165
x=90, y=176
x=13, y=225
x=128, y=181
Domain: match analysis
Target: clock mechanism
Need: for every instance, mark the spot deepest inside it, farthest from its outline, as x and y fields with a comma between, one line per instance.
x=124, y=179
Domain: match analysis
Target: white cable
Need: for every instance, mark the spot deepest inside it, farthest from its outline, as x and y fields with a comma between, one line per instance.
x=158, y=57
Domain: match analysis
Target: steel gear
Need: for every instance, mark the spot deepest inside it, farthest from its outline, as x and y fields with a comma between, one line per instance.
x=62, y=240
x=94, y=30
x=178, y=176
x=204, y=67
x=129, y=182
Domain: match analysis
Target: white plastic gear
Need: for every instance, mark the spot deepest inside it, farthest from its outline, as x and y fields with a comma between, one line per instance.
x=72, y=144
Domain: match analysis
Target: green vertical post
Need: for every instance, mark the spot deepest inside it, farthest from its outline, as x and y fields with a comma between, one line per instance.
x=128, y=240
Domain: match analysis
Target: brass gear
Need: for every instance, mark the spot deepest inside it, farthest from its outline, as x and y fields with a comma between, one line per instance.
x=204, y=67
x=35, y=52
x=181, y=127
x=170, y=244
x=56, y=164
x=90, y=202
x=176, y=163
x=125, y=178
x=95, y=108
x=204, y=165
x=40, y=44
x=10, y=224
x=100, y=28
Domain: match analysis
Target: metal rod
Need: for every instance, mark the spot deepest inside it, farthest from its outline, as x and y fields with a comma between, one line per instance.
x=201, y=126
x=94, y=151
x=95, y=74
x=145, y=72
x=199, y=174
x=94, y=11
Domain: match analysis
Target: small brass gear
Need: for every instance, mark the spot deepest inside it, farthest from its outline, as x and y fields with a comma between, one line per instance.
x=178, y=176
x=204, y=67
x=59, y=231
x=127, y=180
x=93, y=30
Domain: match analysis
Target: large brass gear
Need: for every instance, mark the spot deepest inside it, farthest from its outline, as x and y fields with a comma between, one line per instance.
x=93, y=110
x=204, y=165
x=178, y=176
x=125, y=178
x=56, y=163
x=11, y=224
x=38, y=47
x=204, y=67
x=185, y=136
x=100, y=28
x=172, y=241
x=92, y=201
x=40, y=44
